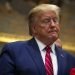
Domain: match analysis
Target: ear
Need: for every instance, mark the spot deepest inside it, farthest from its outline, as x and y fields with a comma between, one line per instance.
x=34, y=29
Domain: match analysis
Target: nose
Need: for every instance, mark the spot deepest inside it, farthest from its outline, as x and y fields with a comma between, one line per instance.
x=52, y=23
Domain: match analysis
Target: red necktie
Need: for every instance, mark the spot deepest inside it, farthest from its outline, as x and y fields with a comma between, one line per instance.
x=48, y=62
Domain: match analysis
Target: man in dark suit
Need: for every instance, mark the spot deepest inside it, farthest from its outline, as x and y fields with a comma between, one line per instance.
x=30, y=57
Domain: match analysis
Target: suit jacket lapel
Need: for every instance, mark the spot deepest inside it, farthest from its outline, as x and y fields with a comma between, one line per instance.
x=61, y=61
x=36, y=56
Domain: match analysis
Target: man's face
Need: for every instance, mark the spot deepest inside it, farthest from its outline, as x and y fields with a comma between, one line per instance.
x=47, y=26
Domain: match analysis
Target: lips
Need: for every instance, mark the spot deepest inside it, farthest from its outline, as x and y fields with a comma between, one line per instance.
x=53, y=31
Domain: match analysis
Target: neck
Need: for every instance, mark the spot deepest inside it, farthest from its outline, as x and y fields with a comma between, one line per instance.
x=47, y=41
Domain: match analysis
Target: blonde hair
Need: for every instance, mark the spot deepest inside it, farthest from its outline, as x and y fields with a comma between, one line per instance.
x=39, y=8
x=45, y=7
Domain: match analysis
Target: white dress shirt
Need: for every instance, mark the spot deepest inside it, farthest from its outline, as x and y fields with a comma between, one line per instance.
x=52, y=54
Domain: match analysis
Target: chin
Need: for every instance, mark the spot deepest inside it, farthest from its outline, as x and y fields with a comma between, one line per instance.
x=54, y=38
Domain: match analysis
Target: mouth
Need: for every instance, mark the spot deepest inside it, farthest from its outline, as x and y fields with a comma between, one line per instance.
x=53, y=31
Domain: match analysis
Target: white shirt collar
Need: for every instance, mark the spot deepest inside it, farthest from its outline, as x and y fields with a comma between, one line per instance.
x=42, y=45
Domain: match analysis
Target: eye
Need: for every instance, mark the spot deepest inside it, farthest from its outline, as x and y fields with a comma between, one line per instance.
x=46, y=20
x=55, y=20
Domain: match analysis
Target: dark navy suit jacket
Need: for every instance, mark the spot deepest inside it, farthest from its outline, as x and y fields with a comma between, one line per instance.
x=24, y=58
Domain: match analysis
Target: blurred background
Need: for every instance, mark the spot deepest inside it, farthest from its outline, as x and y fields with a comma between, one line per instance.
x=14, y=27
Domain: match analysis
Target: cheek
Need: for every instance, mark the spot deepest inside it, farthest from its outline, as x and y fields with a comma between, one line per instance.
x=42, y=29
x=58, y=28
x=45, y=30
x=39, y=29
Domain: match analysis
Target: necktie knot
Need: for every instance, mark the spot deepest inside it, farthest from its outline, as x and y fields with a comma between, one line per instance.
x=48, y=49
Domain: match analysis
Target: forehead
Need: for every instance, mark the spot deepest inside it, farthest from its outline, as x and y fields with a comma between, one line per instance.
x=46, y=14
